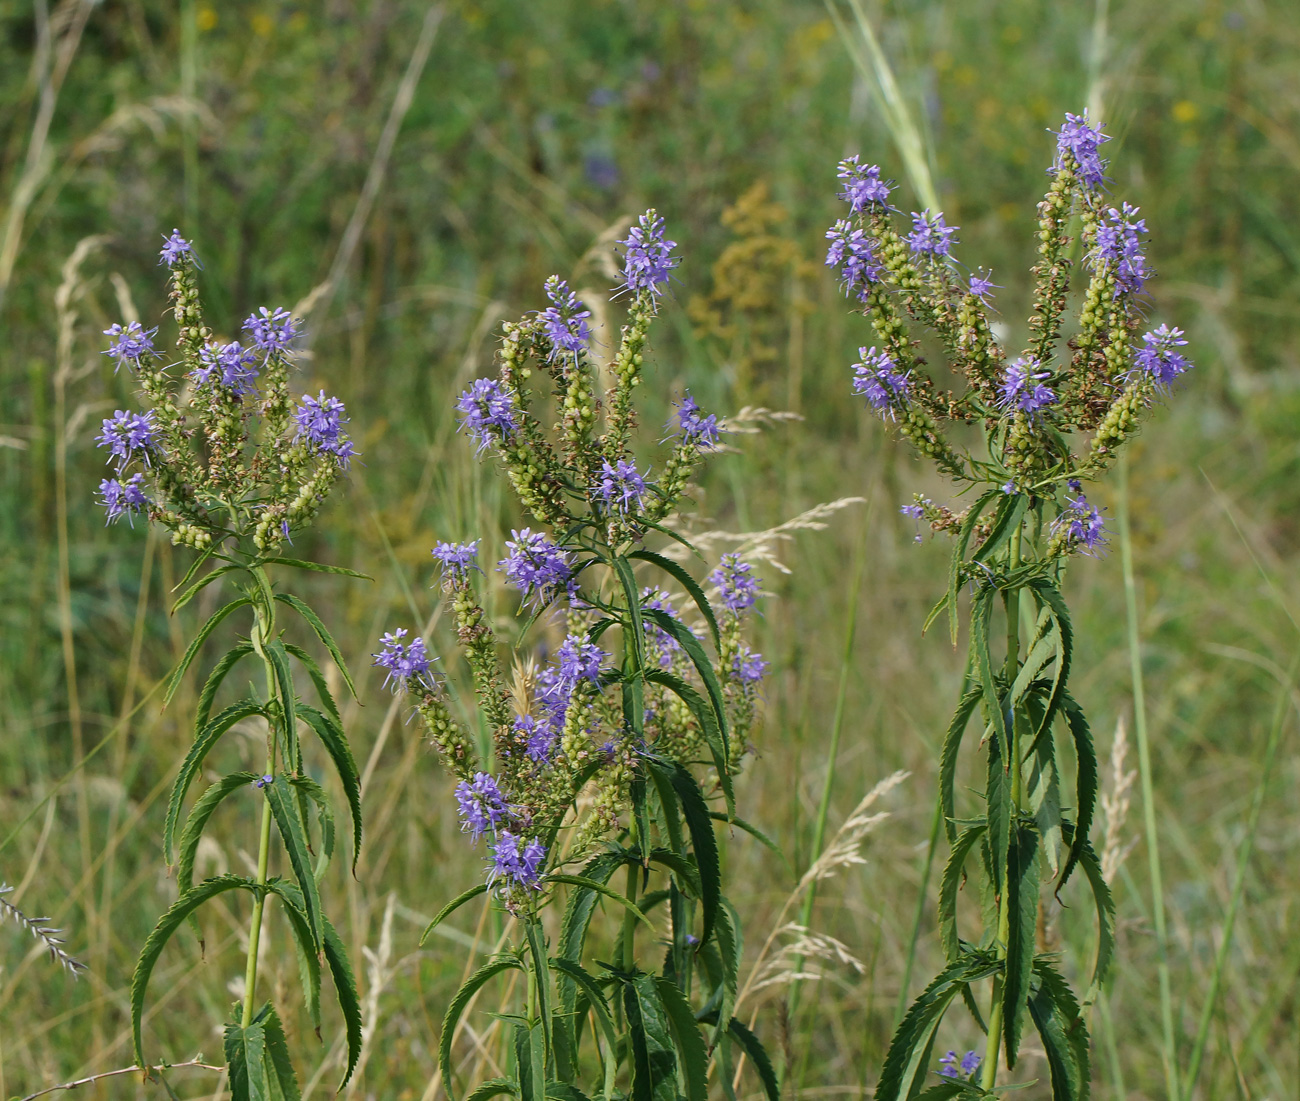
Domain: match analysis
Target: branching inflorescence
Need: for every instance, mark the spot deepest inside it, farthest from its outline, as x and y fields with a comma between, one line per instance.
x=1051, y=419
x=231, y=466
x=617, y=750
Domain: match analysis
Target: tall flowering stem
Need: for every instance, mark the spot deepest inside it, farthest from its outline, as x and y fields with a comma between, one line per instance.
x=614, y=750
x=232, y=467
x=1051, y=419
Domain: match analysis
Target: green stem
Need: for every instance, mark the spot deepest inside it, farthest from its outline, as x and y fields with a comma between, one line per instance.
x=261, y=632
x=1169, y=1052
x=629, y=921
x=1011, y=600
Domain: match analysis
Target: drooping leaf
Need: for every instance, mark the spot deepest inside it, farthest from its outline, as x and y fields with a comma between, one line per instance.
x=458, y=1003
x=691, y=645
x=336, y=745
x=948, y=761
x=208, y=695
x=670, y=809
x=634, y=639
x=345, y=987
x=530, y=1063
x=957, y=561
x=1022, y=909
x=705, y=845
x=451, y=907
x=494, y=1087
x=322, y=632
x=202, y=810
x=1044, y=789
x=704, y=715
x=304, y=949
x=1050, y=596
x=687, y=582
x=654, y=1061
x=1060, y=1024
x=981, y=611
x=207, y=738
x=998, y=798
x=305, y=785
x=202, y=583
x=213, y=622
x=1086, y=782
x=602, y=889
x=318, y=680
x=315, y=567
x=246, y=1059
x=1006, y=519
x=753, y=1047
x=754, y=832
x=1105, y=906
x=579, y=977
x=730, y=950
x=541, y=979
x=950, y=884
x=694, y=1058
x=279, y=1067
x=577, y=919
x=684, y=871
x=288, y=703
x=293, y=832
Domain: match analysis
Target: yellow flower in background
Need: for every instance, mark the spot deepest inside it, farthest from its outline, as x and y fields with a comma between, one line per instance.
x=262, y=24
x=1185, y=111
x=206, y=18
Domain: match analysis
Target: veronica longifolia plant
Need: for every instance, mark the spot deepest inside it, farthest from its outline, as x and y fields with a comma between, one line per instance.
x=1050, y=420
x=618, y=753
x=232, y=467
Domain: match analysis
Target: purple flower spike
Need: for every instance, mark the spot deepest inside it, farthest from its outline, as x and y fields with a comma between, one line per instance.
x=123, y=498
x=579, y=660
x=320, y=421
x=484, y=407
x=851, y=251
x=647, y=260
x=747, y=666
x=930, y=235
x=408, y=664
x=620, y=487
x=235, y=367
x=541, y=737
x=174, y=247
x=457, y=560
x=878, y=379
x=518, y=867
x=535, y=566
x=1081, y=141
x=133, y=343
x=737, y=585
x=916, y=512
x=982, y=287
x=565, y=320
x=863, y=186
x=1081, y=523
x=1022, y=387
x=1157, y=358
x=481, y=805
x=700, y=430
x=1119, y=244
x=128, y=434
x=271, y=332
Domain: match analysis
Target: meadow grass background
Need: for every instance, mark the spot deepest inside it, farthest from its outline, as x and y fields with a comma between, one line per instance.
x=532, y=129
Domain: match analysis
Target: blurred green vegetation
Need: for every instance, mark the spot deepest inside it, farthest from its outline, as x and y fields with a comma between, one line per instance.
x=534, y=128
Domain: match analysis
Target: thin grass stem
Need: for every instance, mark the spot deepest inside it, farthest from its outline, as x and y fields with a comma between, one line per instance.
x=1169, y=1053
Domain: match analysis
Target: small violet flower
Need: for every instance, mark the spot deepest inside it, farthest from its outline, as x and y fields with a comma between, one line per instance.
x=235, y=367
x=737, y=585
x=487, y=405
x=863, y=186
x=481, y=805
x=321, y=421
x=535, y=566
x=579, y=660
x=659, y=601
x=878, y=379
x=647, y=260
x=1080, y=523
x=457, y=560
x=851, y=251
x=565, y=320
x=1081, y=141
x=123, y=498
x=271, y=332
x=953, y=1066
x=1157, y=358
x=1119, y=244
x=930, y=235
x=700, y=430
x=620, y=486
x=540, y=737
x=133, y=343
x=982, y=287
x=520, y=867
x=408, y=664
x=174, y=247
x=747, y=666
x=126, y=434
x=1022, y=387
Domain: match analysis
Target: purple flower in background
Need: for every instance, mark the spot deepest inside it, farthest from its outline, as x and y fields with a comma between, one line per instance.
x=540, y=735
x=408, y=664
x=487, y=405
x=565, y=320
x=481, y=805
x=601, y=171
x=1119, y=244
x=535, y=566
x=982, y=287
x=1157, y=358
x=878, y=379
x=747, y=666
x=1081, y=523
x=321, y=421
x=659, y=601
x=235, y=367
x=930, y=235
x=700, y=430
x=133, y=343
x=952, y=1065
x=648, y=259
x=619, y=486
x=851, y=251
x=862, y=185
x=521, y=867
x=123, y=498
x=579, y=660
x=125, y=434
x=737, y=585
x=457, y=560
x=1022, y=387
x=916, y=512
x=1081, y=141
x=174, y=247
x=271, y=332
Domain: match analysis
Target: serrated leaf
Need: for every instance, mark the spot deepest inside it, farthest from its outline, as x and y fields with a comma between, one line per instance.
x=1060, y=1024
x=998, y=797
x=704, y=715
x=1006, y=518
x=957, y=561
x=315, y=567
x=451, y=907
x=577, y=919
x=322, y=632
x=1045, y=801
x=579, y=977
x=1105, y=906
x=304, y=949
x=541, y=978
x=634, y=639
x=279, y=1067
x=950, y=884
x=284, y=809
x=1049, y=596
x=208, y=695
x=1086, y=782
x=981, y=611
x=201, y=584
x=1022, y=910
x=317, y=676
x=601, y=889
x=730, y=950
x=687, y=582
x=468, y=989
x=691, y=645
x=345, y=987
x=207, y=738
x=683, y=868
x=669, y=807
x=757, y=1056
x=704, y=844
x=213, y=622
x=494, y=1087
x=336, y=745
x=948, y=760
x=754, y=832
x=279, y=659
x=694, y=1057
x=305, y=785
x=654, y=1061
x=199, y=814
x=529, y=1063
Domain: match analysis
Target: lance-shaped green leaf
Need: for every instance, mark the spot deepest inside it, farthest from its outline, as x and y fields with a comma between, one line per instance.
x=207, y=738
x=948, y=760
x=951, y=1091
x=471, y=986
x=950, y=884
x=317, y=678
x=1060, y=1023
x=336, y=745
x=202, y=810
x=345, y=987
x=753, y=1047
x=322, y=632
x=536, y=936
x=213, y=622
x=730, y=950
x=958, y=559
x=669, y=806
x=1086, y=782
x=246, y=1060
x=208, y=695
x=693, y=1056
x=494, y=1087
x=281, y=1079
x=315, y=567
x=451, y=907
x=683, y=868
x=530, y=1062
x=636, y=641
x=579, y=978
x=1105, y=906
x=654, y=1061
x=279, y=659
x=202, y=583
x=305, y=785
x=998, y=798
x=293, y=832
x=704, y=715
x=1043, y=783
x=704, y=844
x=601, y=889
x=1007, y=517
x=981, y=611
x=1022, y=910
x=687, y=582
x=563, y=1091
x=308, y=958
x=754, y=832
x=691, y=645
x=1049, y=596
